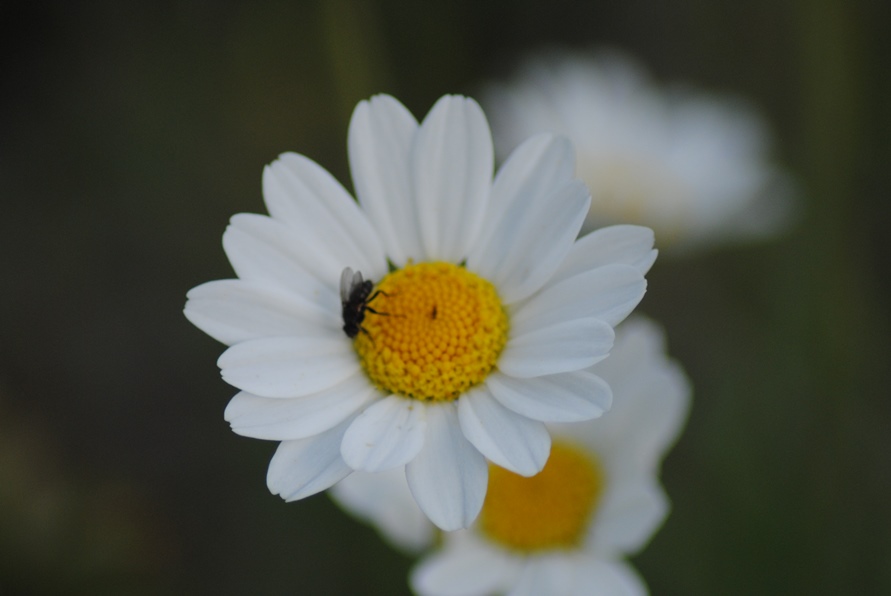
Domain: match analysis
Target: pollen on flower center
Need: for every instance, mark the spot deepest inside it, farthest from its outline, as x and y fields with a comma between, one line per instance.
x=548, y=511
x=441, y=332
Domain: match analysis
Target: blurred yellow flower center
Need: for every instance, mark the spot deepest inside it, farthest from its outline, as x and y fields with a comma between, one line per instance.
x=634, y=189
x=442, y=332
x=548, y=511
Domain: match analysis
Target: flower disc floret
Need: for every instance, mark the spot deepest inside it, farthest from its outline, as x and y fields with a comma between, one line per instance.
x=440, y=332
x=548, y=511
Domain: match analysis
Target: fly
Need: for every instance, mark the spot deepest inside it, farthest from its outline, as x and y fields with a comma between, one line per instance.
x=355, y=295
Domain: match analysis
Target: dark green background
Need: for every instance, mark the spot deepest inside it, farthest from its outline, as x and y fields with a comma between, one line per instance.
x=131, y=131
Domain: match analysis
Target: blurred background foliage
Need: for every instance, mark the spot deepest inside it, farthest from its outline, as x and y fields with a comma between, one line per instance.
x=131, y=131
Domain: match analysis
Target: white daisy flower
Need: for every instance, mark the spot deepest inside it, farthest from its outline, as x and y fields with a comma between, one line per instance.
x=435, y=325
x=694, y=168
x=566, y=531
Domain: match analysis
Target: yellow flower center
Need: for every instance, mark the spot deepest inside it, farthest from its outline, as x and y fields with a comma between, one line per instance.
x=440, y=332
x=548, y=511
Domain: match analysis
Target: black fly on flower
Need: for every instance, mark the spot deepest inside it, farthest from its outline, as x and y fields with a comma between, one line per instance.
x=354, y=298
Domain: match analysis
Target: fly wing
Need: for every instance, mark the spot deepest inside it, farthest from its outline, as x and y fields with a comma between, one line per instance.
x=349, y=281
x=346, y=284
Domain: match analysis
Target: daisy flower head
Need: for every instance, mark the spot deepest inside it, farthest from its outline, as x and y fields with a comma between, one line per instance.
x=694, y=168
x=566, y=531
x=436, y=324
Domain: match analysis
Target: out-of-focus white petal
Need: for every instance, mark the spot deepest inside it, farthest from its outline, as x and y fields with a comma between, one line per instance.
x=592, y=576
x=386, y=435
x=608, y=293
x=652, y=397
x=633, y=508
x=465, y=567
x=288, y=366
x=384, y=500
x=508, y=439
x=545, y=574
x=648, y=427
x=448, y=477
x=564, y=347
x=234, y=310
x=380, y=142
x=452, y=170
x=319, y=210
x=564, y=397
x=279, y=419
x=307, y=466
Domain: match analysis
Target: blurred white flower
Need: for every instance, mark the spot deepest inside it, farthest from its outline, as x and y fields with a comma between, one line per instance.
x=567, y=530
x=472, y=326
x=384, y=501
x=695, y=168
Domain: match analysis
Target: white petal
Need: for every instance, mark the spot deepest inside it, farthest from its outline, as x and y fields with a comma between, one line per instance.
x=384, y=500
x=263, y=249
x=623, y=245
x=279, y=419
x=234, y=310
x=537, y=210
x=288, y=366
x=565, y=397
x=302, y=194
x=652, y=396
x=386, y=435
x=564, y=347
x=539, y=166
x=649, y=425
x=548, y=574
x=465, y=567
x=633, y=508
x=608, y=293
x=600, y=577
x=380, y=142
x=449, y=476
x=508, y=439
x=307, y=466
x=452, y=175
